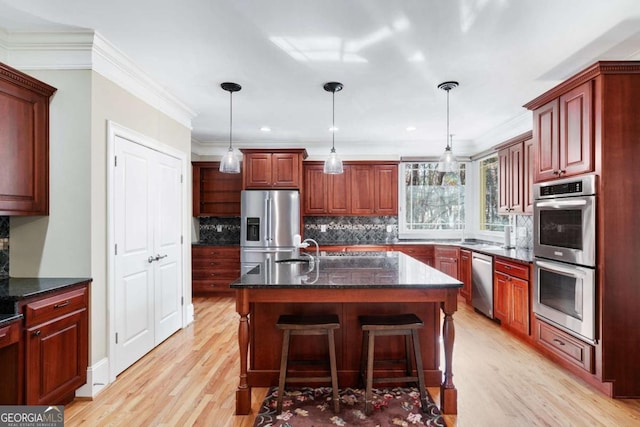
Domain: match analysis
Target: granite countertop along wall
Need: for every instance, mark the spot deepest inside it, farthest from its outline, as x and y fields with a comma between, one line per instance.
x=13, y=290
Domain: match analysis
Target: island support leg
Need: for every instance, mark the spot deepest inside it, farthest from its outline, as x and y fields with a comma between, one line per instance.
x=448, y=392
x=243, y=392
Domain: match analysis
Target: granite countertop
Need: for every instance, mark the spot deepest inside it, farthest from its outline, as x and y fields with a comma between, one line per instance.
x=518, y=254
x=6, y=319
x=14, y=289
x=383, y=270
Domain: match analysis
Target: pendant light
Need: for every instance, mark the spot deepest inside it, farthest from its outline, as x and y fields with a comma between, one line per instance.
x=448, y=162
x=333, y=165
x=230, y=162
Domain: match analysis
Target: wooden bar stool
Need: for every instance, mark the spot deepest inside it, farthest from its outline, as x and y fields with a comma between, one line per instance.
x=308, y=325
x=401, y=324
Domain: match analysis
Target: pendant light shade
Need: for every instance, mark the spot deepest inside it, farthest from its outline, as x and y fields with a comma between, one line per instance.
x=448, y=162
x=333, y=165
x=230, y=163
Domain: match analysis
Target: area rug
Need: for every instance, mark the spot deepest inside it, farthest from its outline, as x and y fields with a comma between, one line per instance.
x=312, y=407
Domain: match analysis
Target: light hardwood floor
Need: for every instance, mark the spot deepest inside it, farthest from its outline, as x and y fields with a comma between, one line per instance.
x=191, y=378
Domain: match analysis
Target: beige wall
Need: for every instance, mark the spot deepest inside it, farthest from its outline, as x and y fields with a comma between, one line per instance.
x=72, y=240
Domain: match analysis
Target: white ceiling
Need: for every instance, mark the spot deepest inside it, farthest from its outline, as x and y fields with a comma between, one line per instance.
x=389, y=54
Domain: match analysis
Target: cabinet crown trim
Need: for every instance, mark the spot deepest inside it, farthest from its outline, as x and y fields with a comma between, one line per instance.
x=19, y=78
x=599, y=68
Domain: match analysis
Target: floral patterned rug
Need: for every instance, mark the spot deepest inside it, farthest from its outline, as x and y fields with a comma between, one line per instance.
x=307, y=407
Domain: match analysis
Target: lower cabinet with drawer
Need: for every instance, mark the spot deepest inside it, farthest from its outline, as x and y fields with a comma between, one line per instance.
x=563, y=345
x=56, y=345
x=422, y=253
x=446, y=260
x=511, y=295
x=10, y=366
x=214, y=268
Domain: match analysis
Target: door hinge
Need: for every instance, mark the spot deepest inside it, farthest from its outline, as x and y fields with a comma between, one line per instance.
x=181, y=300
x=181, y=239
x=115, y=161
x=116, y=249
x=181, y=178
x=116, y=338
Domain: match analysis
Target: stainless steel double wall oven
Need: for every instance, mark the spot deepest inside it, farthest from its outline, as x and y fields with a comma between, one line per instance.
x=564, y=248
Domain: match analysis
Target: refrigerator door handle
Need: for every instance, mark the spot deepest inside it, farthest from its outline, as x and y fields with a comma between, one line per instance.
x=270, y=218
x=267, y=233
x=268, y=251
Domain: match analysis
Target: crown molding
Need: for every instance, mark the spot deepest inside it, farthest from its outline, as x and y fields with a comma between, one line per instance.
x=88, y=50
x=518, y=125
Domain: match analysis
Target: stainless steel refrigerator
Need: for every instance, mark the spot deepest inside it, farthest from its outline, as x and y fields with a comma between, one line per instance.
x=270, y=219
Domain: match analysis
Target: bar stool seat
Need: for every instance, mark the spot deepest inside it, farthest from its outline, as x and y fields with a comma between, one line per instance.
x=384, y=325
x=308, y=325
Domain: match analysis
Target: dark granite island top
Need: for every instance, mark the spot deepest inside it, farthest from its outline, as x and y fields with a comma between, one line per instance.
x=347, y=286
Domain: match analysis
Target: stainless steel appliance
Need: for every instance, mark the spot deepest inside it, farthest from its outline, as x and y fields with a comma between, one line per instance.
x=564, y=249
x=269, y=221
x=565, y=295
x=564, y=218
x=482, y=283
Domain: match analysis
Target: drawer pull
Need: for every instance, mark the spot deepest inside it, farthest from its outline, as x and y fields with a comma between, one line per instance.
x=36, y=333
x=557, y=341
x=62, y=304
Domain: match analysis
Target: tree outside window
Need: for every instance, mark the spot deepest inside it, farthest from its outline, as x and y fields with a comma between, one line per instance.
x=490, y=220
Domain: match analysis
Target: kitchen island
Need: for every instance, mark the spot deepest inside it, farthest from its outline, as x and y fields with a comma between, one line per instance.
x=348, y=286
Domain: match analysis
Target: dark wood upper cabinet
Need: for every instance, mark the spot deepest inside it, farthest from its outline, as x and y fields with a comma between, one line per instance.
x=562, y=133
x=514, y=173
x=277, y=168
x=24, y=143
x=215, y=193
x=364, y=188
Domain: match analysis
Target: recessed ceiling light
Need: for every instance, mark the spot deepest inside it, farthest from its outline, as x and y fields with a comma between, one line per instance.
x=410, y=128
x=265, y=129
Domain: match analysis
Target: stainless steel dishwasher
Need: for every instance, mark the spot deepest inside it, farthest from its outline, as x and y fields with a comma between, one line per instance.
x=482, y=283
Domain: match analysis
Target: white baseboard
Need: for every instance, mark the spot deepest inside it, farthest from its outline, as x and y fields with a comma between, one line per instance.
x=97, y=379
x=190, y=315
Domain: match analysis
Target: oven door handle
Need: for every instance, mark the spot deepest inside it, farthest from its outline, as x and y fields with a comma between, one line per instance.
x=561, y=203
x=573, y=272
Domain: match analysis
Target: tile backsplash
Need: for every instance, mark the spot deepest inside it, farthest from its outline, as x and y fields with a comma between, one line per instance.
x=352, y=229
x=4, y=246
x=524, y=231
x=219, y=231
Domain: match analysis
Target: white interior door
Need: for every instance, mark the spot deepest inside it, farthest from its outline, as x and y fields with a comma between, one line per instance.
x=148, y=269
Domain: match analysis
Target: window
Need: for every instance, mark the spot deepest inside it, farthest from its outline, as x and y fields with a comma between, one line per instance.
x=433, y=200
x=489, y=196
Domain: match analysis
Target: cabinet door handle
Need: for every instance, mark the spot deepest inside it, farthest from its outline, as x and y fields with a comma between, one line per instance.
x=557, y=341
x=62, y=304
x=36, y=333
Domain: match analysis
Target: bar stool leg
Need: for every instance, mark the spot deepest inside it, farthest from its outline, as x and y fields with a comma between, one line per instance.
x=368, y=397
x=283, y=368
x=334, y=371
x=408, y=351
x=363, y=358
x=416, y=350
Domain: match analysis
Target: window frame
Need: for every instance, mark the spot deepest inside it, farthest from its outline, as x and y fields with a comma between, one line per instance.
x=404, y=233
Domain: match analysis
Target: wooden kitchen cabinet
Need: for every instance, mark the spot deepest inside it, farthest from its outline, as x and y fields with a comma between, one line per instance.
x=365, y=188
x=278, y=168
x=424, y=253
x=511, y=295
x=10, y=364
x=602, y=104
x=446, y=260
x=465, y=275
x=56, y=346
x=513, y=169
x=214, y=268
x=527, y=183
x=24, y=143
x=563, y=134
x=215, y=193
x=326, y=194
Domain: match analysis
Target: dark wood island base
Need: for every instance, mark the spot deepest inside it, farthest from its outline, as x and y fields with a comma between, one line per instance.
x=394, y=284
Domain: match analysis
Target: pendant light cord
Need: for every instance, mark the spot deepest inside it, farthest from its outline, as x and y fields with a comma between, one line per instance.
x=333, y=122
x=231, y=119
x=448, y=147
